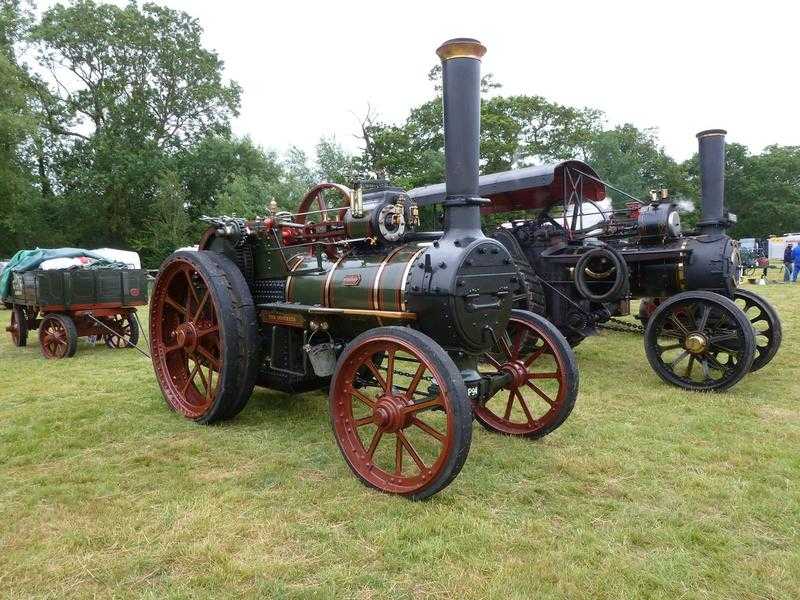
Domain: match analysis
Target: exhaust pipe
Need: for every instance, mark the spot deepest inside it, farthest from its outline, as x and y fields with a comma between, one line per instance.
x=712, y=180
x=461, y=85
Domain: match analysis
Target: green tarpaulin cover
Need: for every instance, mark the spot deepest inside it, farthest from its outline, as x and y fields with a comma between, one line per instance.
x=29, y=260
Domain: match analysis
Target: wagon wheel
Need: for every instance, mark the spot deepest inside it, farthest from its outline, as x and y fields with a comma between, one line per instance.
x=203, y=336
x=18, y=327
x=405, y=428
x=699, y=341
x=126, y=331
x=58, y=336
x=314, y=200
x=544, y=384
x=766, y=325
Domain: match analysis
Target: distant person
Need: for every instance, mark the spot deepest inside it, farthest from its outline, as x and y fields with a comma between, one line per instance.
x=796, y=260
x=763, y=263
x=787, y=262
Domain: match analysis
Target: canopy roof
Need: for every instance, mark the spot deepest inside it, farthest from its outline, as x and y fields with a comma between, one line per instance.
x=530, y=188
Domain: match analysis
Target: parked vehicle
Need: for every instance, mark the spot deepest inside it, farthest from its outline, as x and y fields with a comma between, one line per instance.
x=583, y=264
x=65, y=304
x=411, y=332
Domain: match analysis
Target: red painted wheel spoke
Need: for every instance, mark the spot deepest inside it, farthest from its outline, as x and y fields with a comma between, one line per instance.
x=375, y=373
x=412, y=452
x=190, y=285
x=491, y=359
x=412, y=387
x=374, y=443
x=213, y=362
x=428, y=429
x=415, y=408
x=504, y=345
x=210, y=389
x=180, y=308
x=201, y=304
x=525, y=408
x=202, y=378
x=363, y=398
x=509, y=405
x=364, y=421
x=535, y=356
x=190, y=378
x=172, y=348
x=541, y=394
x=555, y=375
x=207, y=331
x=389, y=371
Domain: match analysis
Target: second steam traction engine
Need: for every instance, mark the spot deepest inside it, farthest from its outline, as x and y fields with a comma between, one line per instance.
x=413, y=332
x=583, y=264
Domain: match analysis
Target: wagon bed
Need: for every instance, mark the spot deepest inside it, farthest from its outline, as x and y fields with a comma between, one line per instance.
x=64, y=304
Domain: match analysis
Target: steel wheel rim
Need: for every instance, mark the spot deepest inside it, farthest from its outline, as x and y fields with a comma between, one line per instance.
x=54, y=341
x=539, y=381
x=698, y=338
x=122, y=328
x=763, y=327
x=187, y=350
x=376, y=429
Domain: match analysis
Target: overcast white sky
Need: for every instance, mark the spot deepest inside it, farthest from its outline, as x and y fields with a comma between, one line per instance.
x=307, y=67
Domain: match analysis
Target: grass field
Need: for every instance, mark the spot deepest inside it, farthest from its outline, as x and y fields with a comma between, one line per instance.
x=645, y=492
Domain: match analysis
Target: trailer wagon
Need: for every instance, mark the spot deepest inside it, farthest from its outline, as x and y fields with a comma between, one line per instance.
x=65, y=304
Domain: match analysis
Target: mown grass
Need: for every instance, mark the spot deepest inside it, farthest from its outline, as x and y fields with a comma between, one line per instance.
x=645, y=491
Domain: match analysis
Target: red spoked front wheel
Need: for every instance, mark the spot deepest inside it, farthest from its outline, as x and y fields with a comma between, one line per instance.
x=58, y=336
x=400, y=412
x=544, y=379
x=202, y=336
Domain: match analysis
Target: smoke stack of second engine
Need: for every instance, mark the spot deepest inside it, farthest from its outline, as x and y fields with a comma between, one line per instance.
x=461, y=84
x=712, y=179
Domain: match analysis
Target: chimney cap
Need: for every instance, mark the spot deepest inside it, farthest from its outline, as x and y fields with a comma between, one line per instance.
x=711, y=132
x=461, y=48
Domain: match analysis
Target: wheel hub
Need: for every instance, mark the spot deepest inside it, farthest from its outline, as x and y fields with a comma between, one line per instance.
x=186, y=335
x=696, y=343
x=518, y=372
x=389, y=414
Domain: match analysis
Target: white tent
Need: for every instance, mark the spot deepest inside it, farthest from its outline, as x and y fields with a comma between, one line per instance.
x=778, y=244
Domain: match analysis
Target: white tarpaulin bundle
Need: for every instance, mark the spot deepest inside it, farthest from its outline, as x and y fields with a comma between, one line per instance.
x=129, y=259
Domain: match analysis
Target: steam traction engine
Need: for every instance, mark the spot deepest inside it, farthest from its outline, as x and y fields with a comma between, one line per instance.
x=583, y=265
x=413, y=332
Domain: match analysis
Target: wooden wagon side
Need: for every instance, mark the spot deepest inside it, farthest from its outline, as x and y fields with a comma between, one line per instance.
x=69, y=303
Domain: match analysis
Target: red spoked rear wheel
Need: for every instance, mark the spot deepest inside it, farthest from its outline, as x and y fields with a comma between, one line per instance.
x=202, y=336
x=126, y=331
x=544, y=379
x=400, y=412
x=18, y=327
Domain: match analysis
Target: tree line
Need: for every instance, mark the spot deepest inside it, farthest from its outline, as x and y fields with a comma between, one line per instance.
x=115, y=130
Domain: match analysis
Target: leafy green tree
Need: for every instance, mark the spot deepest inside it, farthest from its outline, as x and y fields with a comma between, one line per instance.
x=515, y=131
x=123, y=91
x=336, y=165
x=17, y=127
x=167, y=225
x=763, y=190
x=209, y=168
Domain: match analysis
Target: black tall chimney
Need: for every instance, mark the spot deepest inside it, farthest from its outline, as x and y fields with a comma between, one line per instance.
x=461, y=85
x=712, y=179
